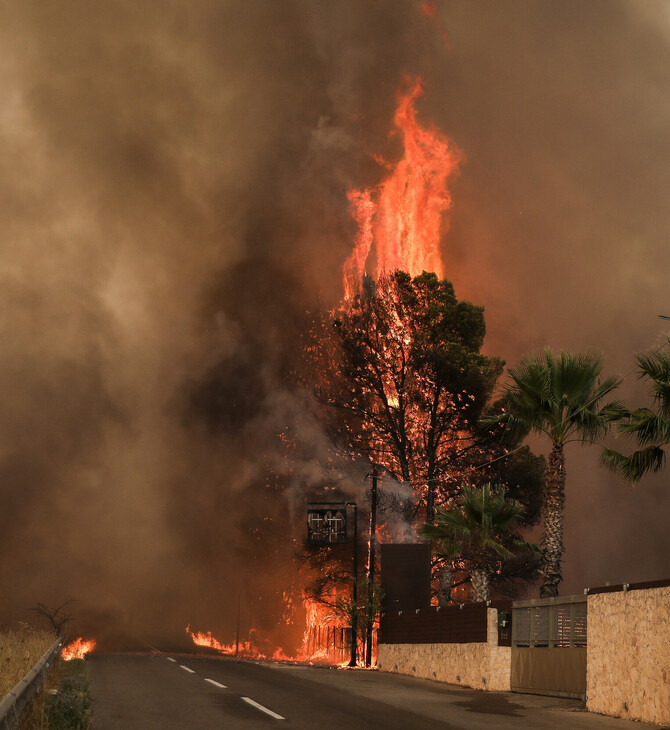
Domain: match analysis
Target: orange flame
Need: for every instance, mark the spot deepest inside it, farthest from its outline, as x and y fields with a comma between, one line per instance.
x=77, y=649
x=363, y=211
x=403, y=216
x=322, y=640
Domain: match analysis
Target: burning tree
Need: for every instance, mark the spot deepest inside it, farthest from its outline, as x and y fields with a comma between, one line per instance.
x=403, y=369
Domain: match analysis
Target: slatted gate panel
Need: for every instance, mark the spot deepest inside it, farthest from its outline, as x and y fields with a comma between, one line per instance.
x=549, y=646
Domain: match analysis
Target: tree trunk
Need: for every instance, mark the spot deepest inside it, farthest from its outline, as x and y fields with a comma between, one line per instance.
x=444, y=591
x=553, y=512
x=431, y=449
x=480, y=585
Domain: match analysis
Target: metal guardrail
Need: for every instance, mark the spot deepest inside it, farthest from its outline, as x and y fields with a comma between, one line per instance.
x=13, y=702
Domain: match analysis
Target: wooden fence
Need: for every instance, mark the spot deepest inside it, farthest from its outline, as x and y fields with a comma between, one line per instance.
x=462, y=624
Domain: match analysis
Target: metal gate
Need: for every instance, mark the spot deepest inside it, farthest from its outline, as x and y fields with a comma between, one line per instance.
x=549, y=646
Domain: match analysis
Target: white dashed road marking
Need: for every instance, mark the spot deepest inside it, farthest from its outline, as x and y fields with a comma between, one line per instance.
x=216, y=684
x=249, y=701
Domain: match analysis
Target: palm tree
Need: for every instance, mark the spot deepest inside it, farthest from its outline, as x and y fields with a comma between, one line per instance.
x=650, y=428
x=475, y=528
x=562, y=397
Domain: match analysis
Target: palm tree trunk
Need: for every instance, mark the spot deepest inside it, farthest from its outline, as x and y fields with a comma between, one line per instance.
x=444, y=591
x=553, y=513
x=480, y=585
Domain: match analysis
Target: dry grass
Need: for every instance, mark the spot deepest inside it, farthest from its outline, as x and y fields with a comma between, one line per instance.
x=19, y=652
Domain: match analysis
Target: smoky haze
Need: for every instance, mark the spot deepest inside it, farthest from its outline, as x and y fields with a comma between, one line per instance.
x=174, y=202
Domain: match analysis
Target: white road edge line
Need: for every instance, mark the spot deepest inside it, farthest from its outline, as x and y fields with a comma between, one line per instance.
x=186, y=669
x=263, y=709
x=216, y=684
x=170, y=659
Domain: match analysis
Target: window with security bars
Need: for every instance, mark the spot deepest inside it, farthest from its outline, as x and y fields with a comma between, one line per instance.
x=326, y=526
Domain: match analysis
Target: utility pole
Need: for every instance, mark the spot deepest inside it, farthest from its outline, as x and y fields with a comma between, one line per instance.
x=354, y=596
x=237, y=627
x=371, y=568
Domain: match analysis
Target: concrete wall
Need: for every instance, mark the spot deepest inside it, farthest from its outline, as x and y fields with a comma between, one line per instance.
x=628, y=654
x=479, y=665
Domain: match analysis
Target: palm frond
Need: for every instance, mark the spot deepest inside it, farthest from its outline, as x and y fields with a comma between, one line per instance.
x=655, y=365
x=498, y=548
x=479, y=523
x=524, y=545
x=632, y=468
x=611, y=459
x=647, y=426
x=432, y=532
x=560, y=395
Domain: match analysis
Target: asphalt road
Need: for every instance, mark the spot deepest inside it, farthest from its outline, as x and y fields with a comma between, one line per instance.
x=162, y=692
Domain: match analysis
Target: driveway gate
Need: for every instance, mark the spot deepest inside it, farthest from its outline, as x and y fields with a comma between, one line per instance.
x=549, y=646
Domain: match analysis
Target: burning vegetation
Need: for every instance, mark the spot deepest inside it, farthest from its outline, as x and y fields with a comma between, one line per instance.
x=325, y=639
x=401, y=386
x=243, y=176
x=401, y=367
x=78, y=649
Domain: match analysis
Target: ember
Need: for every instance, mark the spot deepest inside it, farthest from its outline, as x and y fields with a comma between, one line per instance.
x=77, y=649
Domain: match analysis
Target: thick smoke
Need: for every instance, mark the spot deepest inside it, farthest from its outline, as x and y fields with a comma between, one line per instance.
x=174, y=202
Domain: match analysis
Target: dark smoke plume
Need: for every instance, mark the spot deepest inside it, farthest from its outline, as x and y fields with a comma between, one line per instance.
x=174, y=202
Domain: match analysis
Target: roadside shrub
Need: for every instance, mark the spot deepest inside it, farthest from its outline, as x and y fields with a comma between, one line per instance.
x=70, y=706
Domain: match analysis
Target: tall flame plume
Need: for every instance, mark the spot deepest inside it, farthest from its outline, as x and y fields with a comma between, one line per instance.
x=403, y=217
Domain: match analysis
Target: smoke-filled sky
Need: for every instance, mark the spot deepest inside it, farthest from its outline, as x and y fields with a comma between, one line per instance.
x=174, y=200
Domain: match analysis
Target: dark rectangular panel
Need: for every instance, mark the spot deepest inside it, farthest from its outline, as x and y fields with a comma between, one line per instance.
x=405, y=576
x=450, y=625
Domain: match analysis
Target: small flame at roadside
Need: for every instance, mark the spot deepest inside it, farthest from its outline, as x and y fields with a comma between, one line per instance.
x=77, y=649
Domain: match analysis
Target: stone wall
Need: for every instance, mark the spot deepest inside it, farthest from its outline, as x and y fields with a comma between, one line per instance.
x=479, y=665
x=628, y=654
